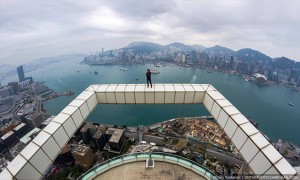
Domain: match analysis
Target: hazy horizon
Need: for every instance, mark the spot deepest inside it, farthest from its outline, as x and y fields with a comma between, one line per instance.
x=33, y=29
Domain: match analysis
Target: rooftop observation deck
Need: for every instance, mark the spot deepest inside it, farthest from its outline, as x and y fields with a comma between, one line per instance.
x=39, y=154
x=132, y=166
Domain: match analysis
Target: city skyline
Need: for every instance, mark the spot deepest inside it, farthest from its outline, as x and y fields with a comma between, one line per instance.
x=63, y=27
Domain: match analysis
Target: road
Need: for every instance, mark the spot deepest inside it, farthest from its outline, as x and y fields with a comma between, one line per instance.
x=224, y=157
x=156, y=139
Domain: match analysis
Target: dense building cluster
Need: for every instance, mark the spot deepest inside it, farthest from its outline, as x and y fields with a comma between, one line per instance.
x=245, y=61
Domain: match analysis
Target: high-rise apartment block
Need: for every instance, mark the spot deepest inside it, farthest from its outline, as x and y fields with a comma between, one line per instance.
x=21, y=74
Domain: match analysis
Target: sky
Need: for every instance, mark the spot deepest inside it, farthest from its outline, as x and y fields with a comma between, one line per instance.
x=32, y=29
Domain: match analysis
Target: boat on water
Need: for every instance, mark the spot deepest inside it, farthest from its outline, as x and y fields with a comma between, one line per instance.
x=291, y=104
x=96, y=72
x=209, y=71
x=123, y=69
x=154, y=71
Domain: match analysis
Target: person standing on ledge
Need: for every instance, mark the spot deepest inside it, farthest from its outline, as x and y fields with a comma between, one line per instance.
x=148, y=75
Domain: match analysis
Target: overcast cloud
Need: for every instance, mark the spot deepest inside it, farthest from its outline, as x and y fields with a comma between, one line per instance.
x=30, y=29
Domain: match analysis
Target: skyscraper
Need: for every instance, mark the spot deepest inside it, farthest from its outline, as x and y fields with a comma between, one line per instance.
x=20, y=73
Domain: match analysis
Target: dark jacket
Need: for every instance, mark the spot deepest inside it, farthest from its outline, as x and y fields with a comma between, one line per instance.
x=148, y=75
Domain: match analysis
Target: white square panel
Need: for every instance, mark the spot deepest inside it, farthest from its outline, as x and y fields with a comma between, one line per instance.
x=52, y=127
x=271, y=153
x=41, y=138
x=100, y=93
x=215, y=110
x=159, y=88
x=149, y=97
x=179, y=95
x=40, y=161
x=69, y=110
x=101, y=97
x=208, y=102
x=139, y=98
x=188, y=88
x=61, y=118
x=92, y=102
x=169, y=94
x=189, y=94
x=198, y=87
x=199, y=96
x=249, y=129
x=28, y=172
x=222, y=119
x=85, y=95
x=91, y=88
x=216, y=95
x=205, y=86
x=284, y=167
x=159, y=97
x=179, y=88
x=249, y=150
x=111, y=88
x=110, y=94
x=68, y=125
x=272, y=171
x=260, y=164
x=210, y=88
x=95, y=87
x=130, y=88
x=139, y=94
x=29, y=150
x=189, y=97
x=84, y=110
x=120, y=88
x=230, y=127
x=77, y=102
x=239, y=138
x=120, y=97
x=5, y=174
x=51, y=148
x=231, y=110
x=120, y=94
x=77, y=118
x=102, y=88
x=260, y=140
x=111, y=98
x=224, y=103
x=129, y=98
x=140, y=88
x=240, y=119
x=61, y=137
x=16, y=164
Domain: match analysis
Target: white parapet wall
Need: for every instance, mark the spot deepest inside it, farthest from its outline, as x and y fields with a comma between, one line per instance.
x=36, y=158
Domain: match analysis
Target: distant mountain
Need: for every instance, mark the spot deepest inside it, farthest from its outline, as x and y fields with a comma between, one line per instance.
x=245, y=54
x=285, y=63
x=248, y=55
x=198, y=47
x=132, y=44
x=181, y=46
x=218, y=50
x=147, y=47
x=144, y=47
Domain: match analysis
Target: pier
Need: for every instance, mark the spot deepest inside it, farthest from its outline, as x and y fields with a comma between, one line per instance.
x=55, y=95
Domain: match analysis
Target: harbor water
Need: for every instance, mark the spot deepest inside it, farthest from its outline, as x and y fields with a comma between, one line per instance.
x=268, y=106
